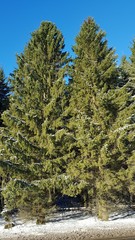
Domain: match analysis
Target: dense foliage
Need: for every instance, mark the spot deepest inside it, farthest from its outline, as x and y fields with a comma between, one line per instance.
x=4, y=93
x=4, y=102
x=93, y=112
x=75, y=138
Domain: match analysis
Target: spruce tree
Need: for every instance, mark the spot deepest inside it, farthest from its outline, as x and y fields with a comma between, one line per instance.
x=119, y=149
x=130, y=126
x=92, y=113
x=36, y=136
x=4, y=101
x=4, y=92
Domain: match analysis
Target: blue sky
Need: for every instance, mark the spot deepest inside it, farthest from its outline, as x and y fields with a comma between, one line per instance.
x=18, y=19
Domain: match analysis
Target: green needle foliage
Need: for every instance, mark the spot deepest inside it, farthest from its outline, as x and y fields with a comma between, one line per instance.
x=94, y=76
x=119, y=149
x=4, y=102
x=36, y=137
x=4, y=92
x=130, y=137
x=75, y=138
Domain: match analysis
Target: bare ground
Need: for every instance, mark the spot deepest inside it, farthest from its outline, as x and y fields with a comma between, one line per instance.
x=95, y=234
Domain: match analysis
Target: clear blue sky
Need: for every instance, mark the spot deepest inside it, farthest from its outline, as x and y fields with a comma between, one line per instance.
x=19, y=18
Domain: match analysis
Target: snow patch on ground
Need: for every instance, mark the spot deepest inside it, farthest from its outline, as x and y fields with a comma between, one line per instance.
x=65, y=222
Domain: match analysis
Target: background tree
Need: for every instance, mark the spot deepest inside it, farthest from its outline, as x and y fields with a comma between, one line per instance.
x=119, y=149
x=36, y=136
x=4, y=92
x=4, y=101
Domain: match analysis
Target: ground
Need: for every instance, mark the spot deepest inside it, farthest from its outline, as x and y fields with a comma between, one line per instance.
x=75, y=225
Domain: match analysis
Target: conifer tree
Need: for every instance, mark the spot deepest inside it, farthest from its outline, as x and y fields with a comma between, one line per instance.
x=119, y=149
x=130, y=124
x=4, y=101
x=36, y=137
x=4, y=92
x=92, y=112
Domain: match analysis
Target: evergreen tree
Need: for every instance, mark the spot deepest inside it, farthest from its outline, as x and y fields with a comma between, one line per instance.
x=36, y=136
x=92, y=113
x=130, y=129
x=123, y=72
x=4, y=92
x=120, y=148
x=4, y=101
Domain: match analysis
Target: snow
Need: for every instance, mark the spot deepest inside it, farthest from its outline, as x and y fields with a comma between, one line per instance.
x=69, y=221
x=124, y=127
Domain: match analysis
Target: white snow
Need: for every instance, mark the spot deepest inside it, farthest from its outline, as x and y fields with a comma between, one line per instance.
x=67, y=222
